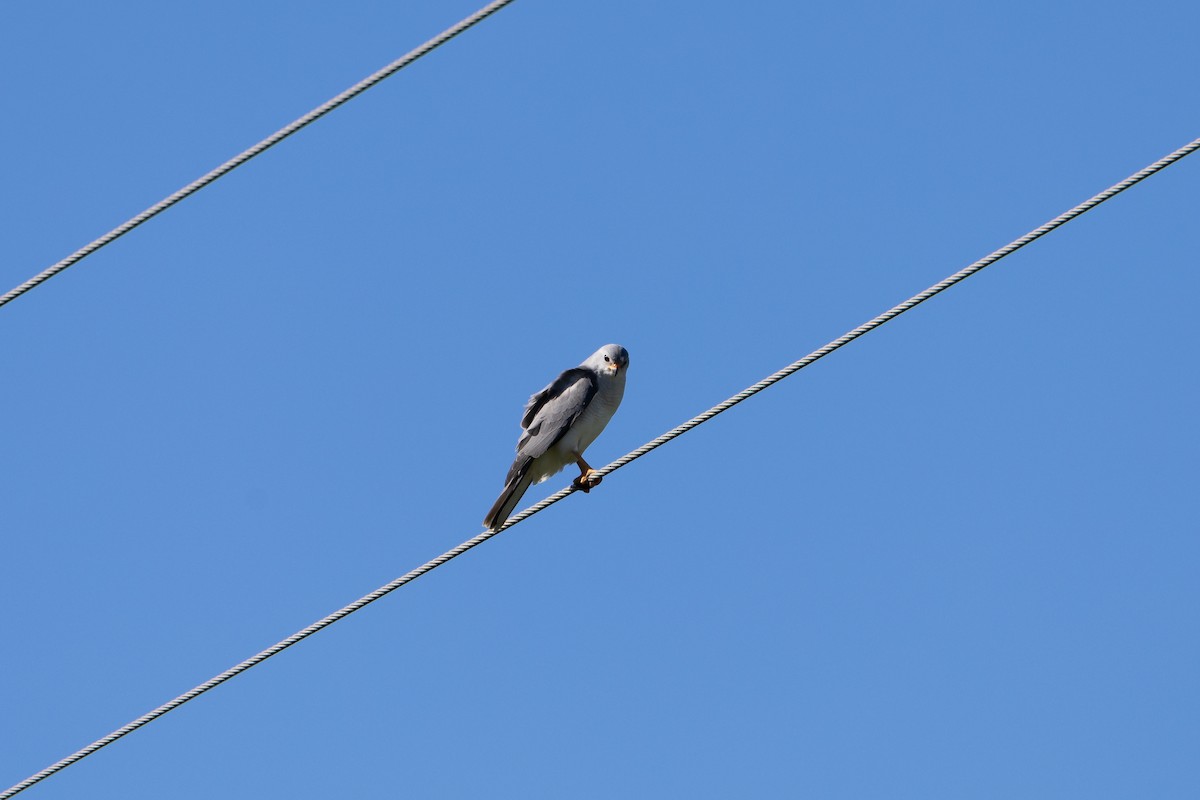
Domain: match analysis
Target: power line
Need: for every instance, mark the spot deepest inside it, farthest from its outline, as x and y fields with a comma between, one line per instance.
x=264, y=145
x=792, y=368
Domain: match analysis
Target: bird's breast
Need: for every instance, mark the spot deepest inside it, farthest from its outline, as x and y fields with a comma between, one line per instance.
x=592, y=421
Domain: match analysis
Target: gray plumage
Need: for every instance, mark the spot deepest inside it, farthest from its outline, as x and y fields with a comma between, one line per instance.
x=560, y=422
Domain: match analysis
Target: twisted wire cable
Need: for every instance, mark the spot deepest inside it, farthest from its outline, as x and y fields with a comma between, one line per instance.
x=791, y=369
x=265, y=144
x=899, y=309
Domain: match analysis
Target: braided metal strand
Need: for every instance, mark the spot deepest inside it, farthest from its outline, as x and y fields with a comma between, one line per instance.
x=791, y=369
x=897, y=310
x=259, y=658
x=265, y=144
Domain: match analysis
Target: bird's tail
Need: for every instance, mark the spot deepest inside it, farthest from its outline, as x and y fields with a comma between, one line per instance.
x=514, y=490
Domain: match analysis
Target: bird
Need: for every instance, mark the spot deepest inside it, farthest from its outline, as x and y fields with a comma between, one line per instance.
x=559, y=423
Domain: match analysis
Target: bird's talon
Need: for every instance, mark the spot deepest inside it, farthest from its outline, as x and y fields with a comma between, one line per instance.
x=587, y=481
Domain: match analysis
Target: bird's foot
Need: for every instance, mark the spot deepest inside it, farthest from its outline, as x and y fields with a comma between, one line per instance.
x=587, y=481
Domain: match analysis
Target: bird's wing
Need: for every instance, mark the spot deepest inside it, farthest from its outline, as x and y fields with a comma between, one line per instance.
x=553, y=410
x=549, y=415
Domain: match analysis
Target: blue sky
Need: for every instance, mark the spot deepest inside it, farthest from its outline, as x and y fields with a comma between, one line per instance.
x=955, y=559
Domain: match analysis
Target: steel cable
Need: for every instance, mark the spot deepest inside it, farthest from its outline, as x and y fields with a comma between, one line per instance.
x=265, y=144
x=791, y=369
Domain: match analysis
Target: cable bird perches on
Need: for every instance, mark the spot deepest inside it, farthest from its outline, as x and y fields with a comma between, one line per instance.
x=770, y=380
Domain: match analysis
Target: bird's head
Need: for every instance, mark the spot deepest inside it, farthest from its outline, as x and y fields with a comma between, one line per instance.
x=611, y=360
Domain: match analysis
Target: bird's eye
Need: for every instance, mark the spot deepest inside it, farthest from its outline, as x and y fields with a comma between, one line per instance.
x=606, y=358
